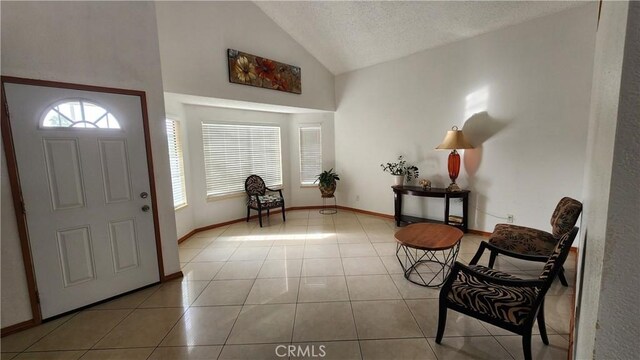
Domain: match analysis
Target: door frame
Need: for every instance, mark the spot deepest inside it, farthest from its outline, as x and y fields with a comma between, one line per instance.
x=16, y=188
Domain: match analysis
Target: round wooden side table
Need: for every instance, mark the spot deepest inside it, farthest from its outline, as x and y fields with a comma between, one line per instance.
x=425, y=248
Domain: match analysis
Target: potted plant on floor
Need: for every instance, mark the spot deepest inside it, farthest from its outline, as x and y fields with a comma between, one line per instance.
x=400, y=170
x=327, y=182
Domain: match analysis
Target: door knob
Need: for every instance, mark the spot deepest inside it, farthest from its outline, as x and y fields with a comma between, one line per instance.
x=144, y=195
x=146, y=208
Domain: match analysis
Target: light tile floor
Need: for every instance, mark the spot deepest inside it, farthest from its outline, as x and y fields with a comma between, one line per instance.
x=330, y=280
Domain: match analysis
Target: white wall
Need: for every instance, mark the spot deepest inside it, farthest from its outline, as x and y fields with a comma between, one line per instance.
x=111, y=44
x=535, y=79
x=608, y=316
x=309, y=195
x=195, y=36
x=618, y=327
x=16, y=306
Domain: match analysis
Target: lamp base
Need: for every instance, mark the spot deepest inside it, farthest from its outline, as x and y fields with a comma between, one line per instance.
x=453, y=187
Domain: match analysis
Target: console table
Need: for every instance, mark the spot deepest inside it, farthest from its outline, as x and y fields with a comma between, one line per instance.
x=400, y=190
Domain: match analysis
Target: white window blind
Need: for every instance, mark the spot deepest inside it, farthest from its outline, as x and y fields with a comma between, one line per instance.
x=176, y=163
x=233, y=152
x=310, y=154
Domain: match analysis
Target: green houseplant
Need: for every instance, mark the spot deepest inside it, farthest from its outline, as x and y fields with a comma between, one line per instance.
x=400, y=169
x=327, y=182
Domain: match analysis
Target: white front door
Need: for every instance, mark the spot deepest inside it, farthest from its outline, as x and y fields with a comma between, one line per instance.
x=83, y=171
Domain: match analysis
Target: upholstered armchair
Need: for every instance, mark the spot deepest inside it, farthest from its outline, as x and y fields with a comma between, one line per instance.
x=502, y=299
x=259, y=200
x=533, y=244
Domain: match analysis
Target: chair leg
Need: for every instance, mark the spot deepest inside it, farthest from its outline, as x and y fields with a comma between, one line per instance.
x=478, y=254
x=442, y=322
x=492, y=259
x=268, y=212
x=248, y=213
x=541, y=324
x=526, y=346
x=260, y=217
x=563, y=280
x=283, y=217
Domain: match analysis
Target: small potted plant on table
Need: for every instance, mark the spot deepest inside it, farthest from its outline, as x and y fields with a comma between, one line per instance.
x=327, y=182
x=400, y=169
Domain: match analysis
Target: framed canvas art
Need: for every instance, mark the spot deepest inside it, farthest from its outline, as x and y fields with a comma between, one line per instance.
x=252, y=70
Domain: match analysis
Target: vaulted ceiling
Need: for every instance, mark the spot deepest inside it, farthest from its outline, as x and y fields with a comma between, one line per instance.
x=346, y=36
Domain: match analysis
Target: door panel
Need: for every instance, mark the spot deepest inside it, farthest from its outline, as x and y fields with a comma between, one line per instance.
x=76, y=256
x=124, y=244
x=89, y=238
x=115, y=170
x=64, y=173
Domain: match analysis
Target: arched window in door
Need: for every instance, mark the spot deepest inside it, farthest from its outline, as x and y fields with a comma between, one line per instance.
x=79, y=113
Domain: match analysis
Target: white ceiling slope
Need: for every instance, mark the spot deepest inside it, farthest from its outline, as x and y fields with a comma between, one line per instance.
x=346, y=36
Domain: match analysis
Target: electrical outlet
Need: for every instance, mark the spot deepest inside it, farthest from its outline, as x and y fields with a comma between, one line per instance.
x=357, y=197
x=510, y=218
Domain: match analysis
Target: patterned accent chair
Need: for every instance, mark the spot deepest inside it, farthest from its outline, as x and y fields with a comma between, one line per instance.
x=502, y=299
x=259, y=200
x=532, y=244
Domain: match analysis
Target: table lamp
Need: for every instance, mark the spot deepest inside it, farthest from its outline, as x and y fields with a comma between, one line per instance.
x=452, y=141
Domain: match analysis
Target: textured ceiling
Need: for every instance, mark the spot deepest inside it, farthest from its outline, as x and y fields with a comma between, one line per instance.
x=345, y=35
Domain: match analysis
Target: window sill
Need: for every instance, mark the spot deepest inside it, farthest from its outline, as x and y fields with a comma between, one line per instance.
x=234, y=195
x=308, y=186
x=211, y=198
x=180, y=207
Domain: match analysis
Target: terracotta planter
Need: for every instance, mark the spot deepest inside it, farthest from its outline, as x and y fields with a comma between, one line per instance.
x=327, y=191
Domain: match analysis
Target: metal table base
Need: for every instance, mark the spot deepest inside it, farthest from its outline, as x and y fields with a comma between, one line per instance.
x=438, y=261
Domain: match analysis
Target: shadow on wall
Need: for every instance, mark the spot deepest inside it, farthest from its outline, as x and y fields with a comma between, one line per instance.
x=478, y=129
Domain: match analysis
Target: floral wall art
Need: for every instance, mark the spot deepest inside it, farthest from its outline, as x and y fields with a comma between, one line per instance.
x=257, y=71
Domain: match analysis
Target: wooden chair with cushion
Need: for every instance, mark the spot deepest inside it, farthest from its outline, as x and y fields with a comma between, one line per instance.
x=259, y=200
x=502, y=299
x=533, y=244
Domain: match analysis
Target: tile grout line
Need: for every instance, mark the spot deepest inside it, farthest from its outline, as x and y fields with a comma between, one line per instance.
x=353, y=315
x=404, y=300
x=47, y=333
x=194, y=300
x=295, y=312
x=239, y=312
x=241, y=307
x=503, y=347
x=74, y=315
x=131, y=311
x=123, y=319
x=180, y=318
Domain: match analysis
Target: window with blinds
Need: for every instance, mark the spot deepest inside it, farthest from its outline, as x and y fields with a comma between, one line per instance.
x=176, y=164
x=310, y=154
x=233, y=152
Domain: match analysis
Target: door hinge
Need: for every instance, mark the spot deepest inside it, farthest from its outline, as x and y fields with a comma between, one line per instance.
x=38, y=297
x=24, y=208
